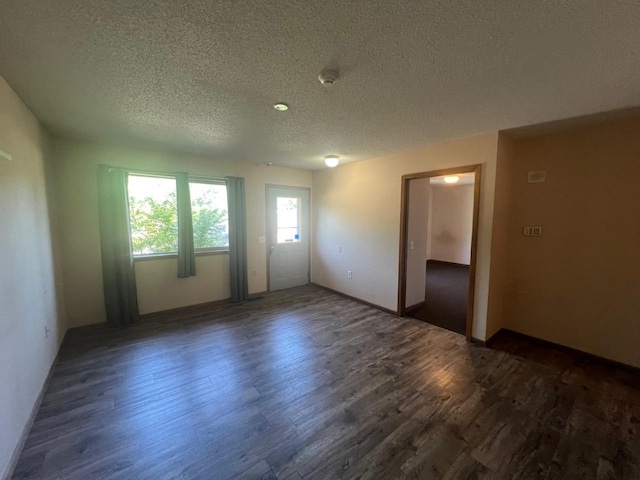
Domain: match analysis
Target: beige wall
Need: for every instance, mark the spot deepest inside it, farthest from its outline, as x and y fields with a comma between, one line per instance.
x=418, y=214
x=158, y=288
x=501, y=237
x=451, y=223
x=578, y=284
x=429, y=221
x=28, y=287
x=357, y=206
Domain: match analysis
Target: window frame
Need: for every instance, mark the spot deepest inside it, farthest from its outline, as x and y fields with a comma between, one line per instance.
x=211, y=181
x=149, y=256
x=192, y=179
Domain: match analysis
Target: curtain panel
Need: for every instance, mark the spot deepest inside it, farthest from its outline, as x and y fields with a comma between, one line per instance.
x=118, y=274
x=186, y=250
x=237, y=239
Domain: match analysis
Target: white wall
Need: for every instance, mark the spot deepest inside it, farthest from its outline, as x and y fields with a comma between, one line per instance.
x=28, y=287
x=158, y=288
x=357, y=206
x=429, y=221
x=417, y=210
x=451, y=223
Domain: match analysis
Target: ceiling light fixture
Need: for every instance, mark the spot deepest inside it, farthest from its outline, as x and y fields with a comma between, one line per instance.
x=281, y=107
x=452, y=179
x=332, y=160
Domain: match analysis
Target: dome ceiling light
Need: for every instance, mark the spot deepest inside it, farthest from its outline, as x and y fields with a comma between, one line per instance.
x=332, y=160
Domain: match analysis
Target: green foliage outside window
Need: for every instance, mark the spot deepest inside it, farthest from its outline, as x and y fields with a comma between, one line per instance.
x=154, y=224
x=209, y=224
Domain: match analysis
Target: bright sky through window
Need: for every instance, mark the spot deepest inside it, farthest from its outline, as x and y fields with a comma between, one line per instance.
x=288, y=219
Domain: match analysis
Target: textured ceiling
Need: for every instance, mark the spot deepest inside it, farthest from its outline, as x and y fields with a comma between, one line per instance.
x=201, y=75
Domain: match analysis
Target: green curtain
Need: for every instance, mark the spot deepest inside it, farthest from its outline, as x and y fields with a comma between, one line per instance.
x=118, y=274
x=237, y=239
x=186, y=250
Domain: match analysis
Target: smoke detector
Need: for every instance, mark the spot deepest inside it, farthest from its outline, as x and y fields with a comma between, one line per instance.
x=328, y=77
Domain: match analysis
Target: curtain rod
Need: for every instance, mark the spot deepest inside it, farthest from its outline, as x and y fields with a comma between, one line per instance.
x=139, y=170
x=162, y=174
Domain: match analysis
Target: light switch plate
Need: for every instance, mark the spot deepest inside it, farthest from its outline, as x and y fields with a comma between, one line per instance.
x=532, y=231
x=261, y=239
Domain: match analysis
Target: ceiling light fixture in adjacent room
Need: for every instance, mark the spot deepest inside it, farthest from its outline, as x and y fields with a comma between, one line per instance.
x=281, y=107
x=451, y=179
x=332, y=160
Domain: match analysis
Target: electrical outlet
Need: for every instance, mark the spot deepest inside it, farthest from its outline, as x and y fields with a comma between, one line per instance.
x=349, y=275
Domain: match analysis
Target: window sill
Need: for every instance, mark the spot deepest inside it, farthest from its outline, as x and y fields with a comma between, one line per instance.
x=154, y=256
x=211, y=252
x=166, y=256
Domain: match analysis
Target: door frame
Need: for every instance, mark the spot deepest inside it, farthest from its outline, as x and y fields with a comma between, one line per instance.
x=267, y=186
x=404, y=225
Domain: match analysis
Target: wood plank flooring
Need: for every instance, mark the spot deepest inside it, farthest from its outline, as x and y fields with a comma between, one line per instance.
x=307, y=384
x=446, y=296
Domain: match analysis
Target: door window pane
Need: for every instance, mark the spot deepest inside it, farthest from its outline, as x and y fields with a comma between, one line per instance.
x=288, y=219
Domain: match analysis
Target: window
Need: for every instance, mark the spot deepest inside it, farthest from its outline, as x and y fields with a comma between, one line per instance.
x=153, y=215
x=288, y=219
x=209, y=214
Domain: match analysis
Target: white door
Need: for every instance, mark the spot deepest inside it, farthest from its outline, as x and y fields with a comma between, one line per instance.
x=288, y=237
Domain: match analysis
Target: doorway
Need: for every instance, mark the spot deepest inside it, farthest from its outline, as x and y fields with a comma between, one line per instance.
x=438, y=237
x=287, y=237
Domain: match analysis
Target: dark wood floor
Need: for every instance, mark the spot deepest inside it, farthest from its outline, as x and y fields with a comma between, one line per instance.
x=446, y=296
x=307, y=384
